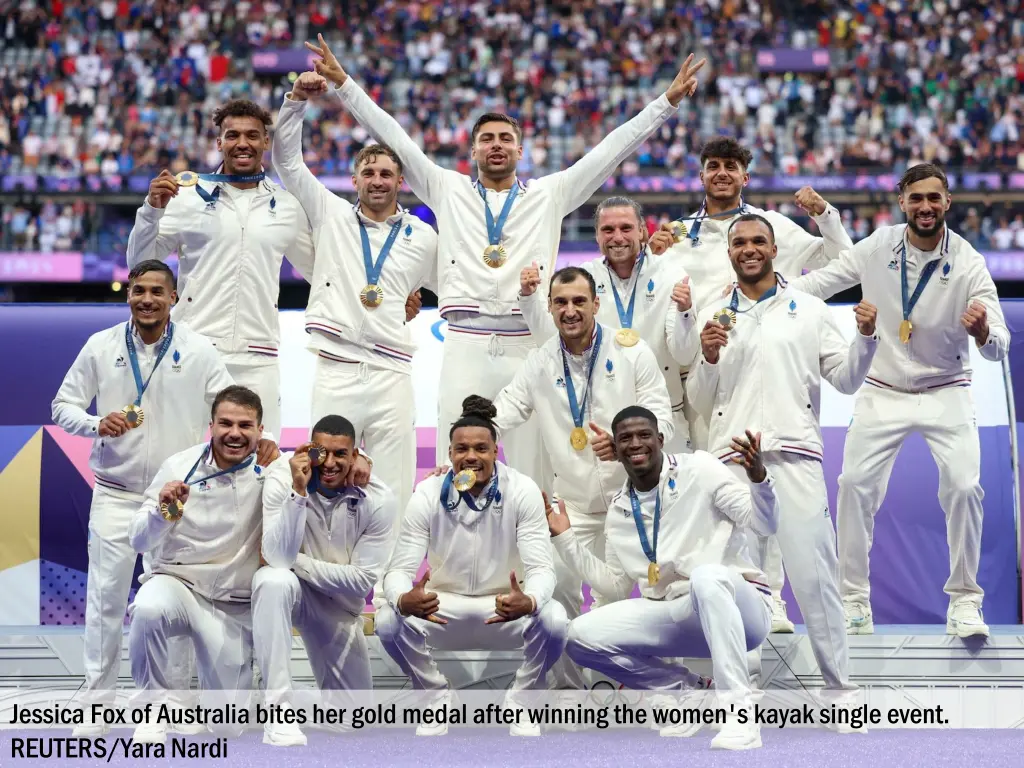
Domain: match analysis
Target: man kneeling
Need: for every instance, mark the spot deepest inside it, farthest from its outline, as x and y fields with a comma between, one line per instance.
x=326, y=541
x=677, y=528
x=478, y=525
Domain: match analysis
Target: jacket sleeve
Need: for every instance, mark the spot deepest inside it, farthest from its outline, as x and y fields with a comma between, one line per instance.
x=538, y=319
x=410, y=548
x=426, y=179
x=844, y=365
x=284, y=515
x=79, y=388
x=515, y=403
x=983, y=290
x=606, y=576
x=534, y=546
x=813, y=252
x=576, y=184
x=840, y=274
x=148, y=527
x=369, y=556
x=748, y=505
x=651, y=391
x=681, y=332
x=157, y=231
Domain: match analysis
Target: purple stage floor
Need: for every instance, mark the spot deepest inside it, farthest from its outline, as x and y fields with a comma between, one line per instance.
x=396, y=748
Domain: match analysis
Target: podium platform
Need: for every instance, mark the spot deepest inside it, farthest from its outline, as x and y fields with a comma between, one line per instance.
x=896, y=655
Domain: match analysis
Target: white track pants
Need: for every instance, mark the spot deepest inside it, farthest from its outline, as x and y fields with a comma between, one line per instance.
x=635, y=641
x=475, y=364
x=882, y=420
x=263, y=376
x=221, y=633
x=333, y=637
x=808, y=545
x=111, y=567
x=409, y=640
x=568, y=593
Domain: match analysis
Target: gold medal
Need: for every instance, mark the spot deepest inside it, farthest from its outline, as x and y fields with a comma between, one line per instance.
x=627, y=337
x=578, y=438
x=465, y=480
x=495, y=256
x=906, y=331
x=371, y=296
x=187, y=179
x=133, y=415
x=679, y=231
x=172, y=512
x=316, y=455
x=653, y=573
x=726, y=318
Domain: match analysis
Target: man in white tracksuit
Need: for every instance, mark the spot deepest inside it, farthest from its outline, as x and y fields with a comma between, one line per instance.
x=372, y=255
x=164, y=377
x=489, y=230
x=200, y=527
x=678, y=529
x=764, y=354
x=650, y=296
x=934, y=295
x=581, y=378
x=703, y=251
x=327, y=544
x=230, y=230
x=481, y=525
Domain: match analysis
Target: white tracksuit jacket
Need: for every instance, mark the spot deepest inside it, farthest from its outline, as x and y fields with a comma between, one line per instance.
x=339, y=546
x=671, y=334
x=215, y=547
x=534, y=226
x=176, y=404
x=472, y=553
x=229, y=259
x=335, y=318
x=623, y=376
x=768, y=376
x=705, y=511
x=938, y=354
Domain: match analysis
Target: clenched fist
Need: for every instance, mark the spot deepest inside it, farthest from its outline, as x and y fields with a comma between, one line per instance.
x=308, y=85
x=712, y=339
x=810, y=201
x=866, y=315
x=113, y=425
x=661, y=240
x=302, y=468
x=162, y=189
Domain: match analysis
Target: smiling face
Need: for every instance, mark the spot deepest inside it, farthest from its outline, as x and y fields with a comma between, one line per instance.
x=925, y=203
x=723, y=178
x=377, y=181
x=150, y=298
x=497, y=150
x=473, y=447
x=638, y=445
x=619, y=236
x=573, y=308
x=341, y=454
x=234, y=431
x=751, y=250
x=242, y=142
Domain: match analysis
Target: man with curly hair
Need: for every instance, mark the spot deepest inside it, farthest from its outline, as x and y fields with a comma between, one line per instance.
x=230, y=230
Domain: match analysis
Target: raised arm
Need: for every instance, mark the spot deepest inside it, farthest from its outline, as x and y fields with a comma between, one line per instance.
x=515, y=403
x=748, y=505
x=575, y=185
x=983, y=317
x=605, y=576
x=534, y=305
x=426, y=179
x=813, y=252
x=158, y=223
x=148, y=527
x=845, y=364
x=284, y=512
x=76, y=392
x=840, y=274
x=681, y=322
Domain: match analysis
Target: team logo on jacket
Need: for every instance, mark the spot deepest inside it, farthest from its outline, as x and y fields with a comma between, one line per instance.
x=353, y=507
x=609, y=369
x=203, y=486
x=945, y=274
x=894, y=265
x=792, y=309
x=120, y=363
x=600, y=288
x=560, y=382
x=176, y=357
x=408, y=231
x=273, y=207
x=650, y=291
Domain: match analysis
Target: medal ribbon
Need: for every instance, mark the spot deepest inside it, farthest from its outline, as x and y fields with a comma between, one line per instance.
x=626, y=315
x=922, y=281
x=694, y=232
x=734, y=303
x=373, y=270
x=578, y=410
x=494, y=229
x=490, y=495
x=651, y=552
x=133, y=356
x=232, y=178
x=228, y=471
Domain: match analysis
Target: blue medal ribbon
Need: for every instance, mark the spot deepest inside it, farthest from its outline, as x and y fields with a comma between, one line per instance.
x=579, y=409
x=494, y=228
x=232, y=178
x=734, y=303
x=133, y=356
x=373, y=270
x=694, y=232
x=228, y=471
x=490, y=494
x=626, y=315
x=909, y=302
x=651, y=552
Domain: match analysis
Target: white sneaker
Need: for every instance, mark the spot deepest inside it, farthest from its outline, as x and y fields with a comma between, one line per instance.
x=150, y=733
x=737, y=735
x=659, y=701
x=444, y=699
x=964, y=619
x=524, y=727
x=284, y=735
x=566, y=700
x=781, y=625
x=189, y=729
x=858, y=619
x=90, y=730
